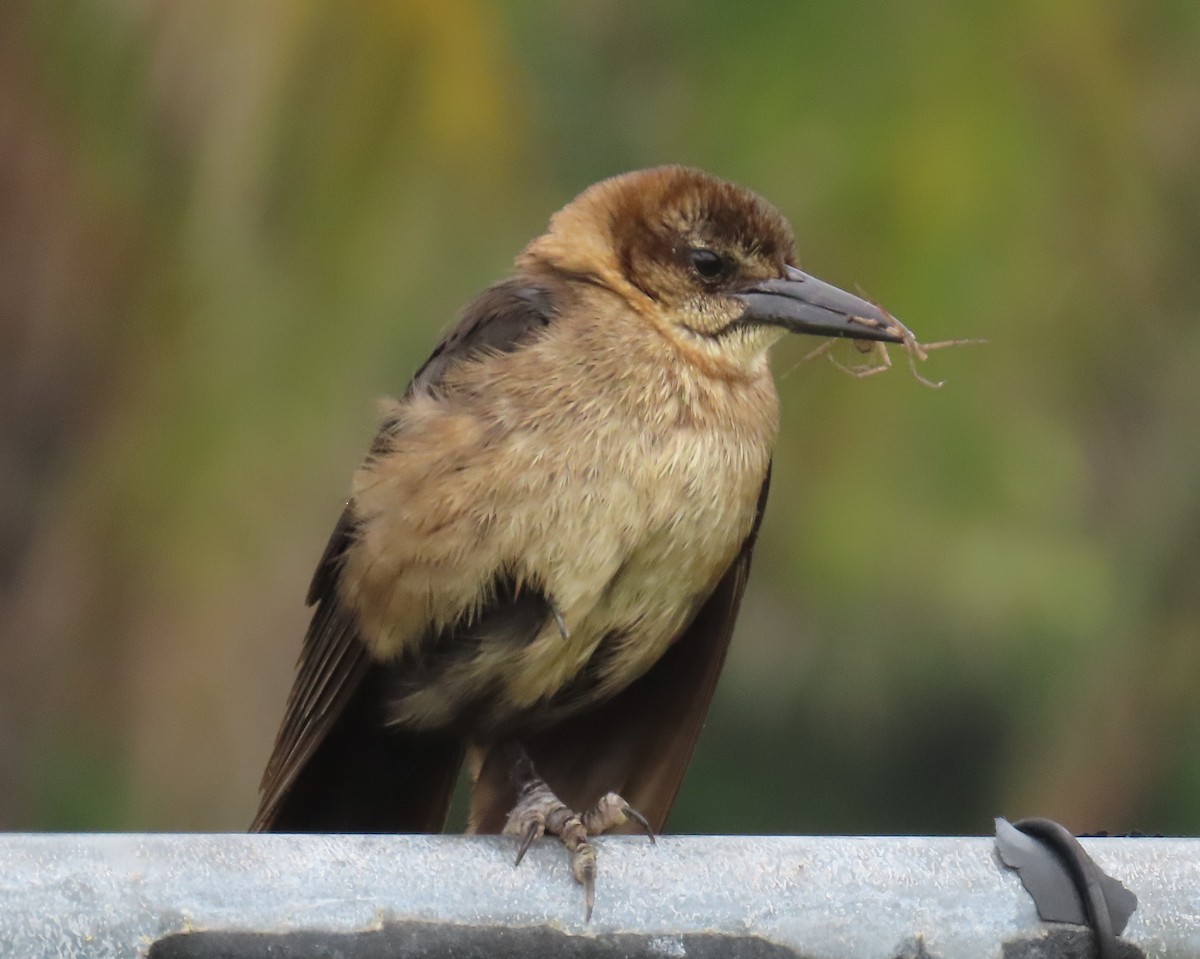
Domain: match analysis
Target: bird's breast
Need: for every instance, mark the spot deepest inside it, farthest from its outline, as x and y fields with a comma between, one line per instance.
x=622, y=519
x=646, y=549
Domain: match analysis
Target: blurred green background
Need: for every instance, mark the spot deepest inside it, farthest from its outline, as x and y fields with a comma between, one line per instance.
x=226, y=228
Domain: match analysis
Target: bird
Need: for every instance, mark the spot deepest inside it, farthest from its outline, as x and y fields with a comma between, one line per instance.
x=540, y=564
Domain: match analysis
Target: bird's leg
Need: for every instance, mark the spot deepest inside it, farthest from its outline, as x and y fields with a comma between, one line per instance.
x=539, y=811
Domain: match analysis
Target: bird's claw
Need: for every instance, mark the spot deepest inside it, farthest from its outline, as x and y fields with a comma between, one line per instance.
x=539, y=811
x=535, y=830
x=583, y=868
x=613, y=811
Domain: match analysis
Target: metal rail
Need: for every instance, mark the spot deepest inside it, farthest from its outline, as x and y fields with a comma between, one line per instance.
x=174, y=896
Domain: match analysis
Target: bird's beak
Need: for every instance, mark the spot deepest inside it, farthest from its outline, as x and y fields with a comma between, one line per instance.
x=803, y=304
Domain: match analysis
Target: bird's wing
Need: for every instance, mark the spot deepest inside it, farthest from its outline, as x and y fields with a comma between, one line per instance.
x=335, y=766
x=503, y=318
x=638, y=743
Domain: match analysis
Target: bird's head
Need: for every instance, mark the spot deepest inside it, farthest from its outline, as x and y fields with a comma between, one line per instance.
x=709, y=263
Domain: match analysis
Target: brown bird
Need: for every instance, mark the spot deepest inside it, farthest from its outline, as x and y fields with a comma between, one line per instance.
x=543, y=555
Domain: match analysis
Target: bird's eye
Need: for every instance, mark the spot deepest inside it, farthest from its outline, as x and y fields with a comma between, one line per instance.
x=709, y=264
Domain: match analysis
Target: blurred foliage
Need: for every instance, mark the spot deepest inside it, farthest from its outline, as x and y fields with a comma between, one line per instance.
x=226, y=228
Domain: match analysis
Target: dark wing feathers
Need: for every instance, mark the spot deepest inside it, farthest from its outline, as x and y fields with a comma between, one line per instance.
x=638, y=743
x=333, y=742
x=330, y=563
x=502, y=319
x=357, y=775
x=333, y=663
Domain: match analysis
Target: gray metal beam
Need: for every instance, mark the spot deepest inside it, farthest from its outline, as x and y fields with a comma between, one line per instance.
x=429, y=896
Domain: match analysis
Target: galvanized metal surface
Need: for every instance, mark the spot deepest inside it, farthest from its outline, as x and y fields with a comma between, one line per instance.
x=114, y=895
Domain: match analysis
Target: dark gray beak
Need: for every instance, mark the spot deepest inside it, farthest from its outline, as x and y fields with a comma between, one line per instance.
x=803, y=304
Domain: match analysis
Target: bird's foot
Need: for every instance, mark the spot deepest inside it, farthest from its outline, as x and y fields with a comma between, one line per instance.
x=538, y=811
